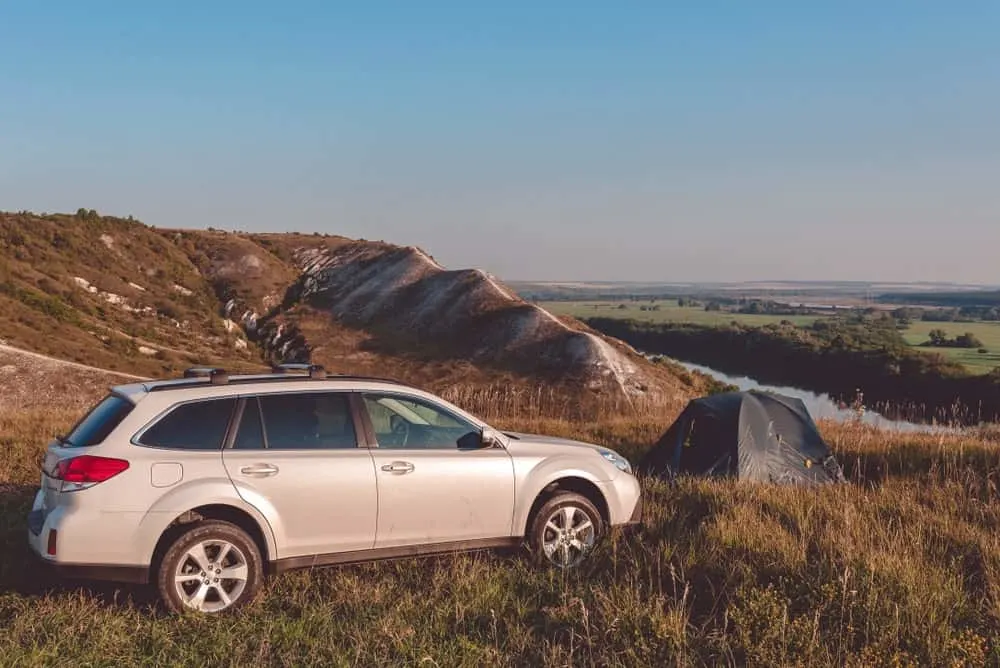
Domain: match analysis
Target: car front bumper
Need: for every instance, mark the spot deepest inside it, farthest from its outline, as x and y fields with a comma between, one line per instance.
x=636, y=518
x=624, y=498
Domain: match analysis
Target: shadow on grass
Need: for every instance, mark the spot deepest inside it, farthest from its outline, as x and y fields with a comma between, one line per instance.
x=23, y=574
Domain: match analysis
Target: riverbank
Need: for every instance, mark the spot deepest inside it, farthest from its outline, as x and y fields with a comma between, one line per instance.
x=839, y=358
x=821, y=406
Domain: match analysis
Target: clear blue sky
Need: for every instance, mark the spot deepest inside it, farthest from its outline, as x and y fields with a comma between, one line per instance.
x=576, y=140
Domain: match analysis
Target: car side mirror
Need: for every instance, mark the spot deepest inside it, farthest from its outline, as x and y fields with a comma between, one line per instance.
x=490, y=438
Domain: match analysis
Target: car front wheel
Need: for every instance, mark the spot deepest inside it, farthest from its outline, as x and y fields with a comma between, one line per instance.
x=213, y=567
x=565, y=530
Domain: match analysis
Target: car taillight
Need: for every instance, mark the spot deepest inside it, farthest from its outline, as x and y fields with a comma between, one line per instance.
x=87, y=470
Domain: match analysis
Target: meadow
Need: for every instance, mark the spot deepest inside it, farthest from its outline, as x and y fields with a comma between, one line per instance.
x=987, y=332
x=899, y=567
x=668, y=311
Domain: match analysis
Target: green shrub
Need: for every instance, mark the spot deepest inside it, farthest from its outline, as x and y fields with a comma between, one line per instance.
x=43, y=303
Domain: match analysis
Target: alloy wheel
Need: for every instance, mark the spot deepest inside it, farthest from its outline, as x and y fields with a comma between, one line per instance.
x=211, y=575
x=568, y=536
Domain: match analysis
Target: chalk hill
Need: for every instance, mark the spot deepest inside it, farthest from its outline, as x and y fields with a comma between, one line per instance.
x=121, y=295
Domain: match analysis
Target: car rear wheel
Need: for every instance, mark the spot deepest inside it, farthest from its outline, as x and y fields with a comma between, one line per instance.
x=212, y=567
x=565, y=530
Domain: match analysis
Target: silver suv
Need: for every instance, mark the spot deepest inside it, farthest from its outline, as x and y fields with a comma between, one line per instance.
x=203, y=484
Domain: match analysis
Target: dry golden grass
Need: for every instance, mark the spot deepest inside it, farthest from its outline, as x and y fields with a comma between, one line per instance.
x=899, y=567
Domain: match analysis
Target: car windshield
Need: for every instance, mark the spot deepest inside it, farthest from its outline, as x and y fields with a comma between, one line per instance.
x=99, y=422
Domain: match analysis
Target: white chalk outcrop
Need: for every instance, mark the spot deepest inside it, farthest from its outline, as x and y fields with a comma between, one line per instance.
x=404, y=295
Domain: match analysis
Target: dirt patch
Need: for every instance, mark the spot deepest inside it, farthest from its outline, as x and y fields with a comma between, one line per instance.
x=34, y=381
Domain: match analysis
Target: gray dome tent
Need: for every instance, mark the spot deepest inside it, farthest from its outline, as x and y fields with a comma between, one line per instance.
x=750, y=435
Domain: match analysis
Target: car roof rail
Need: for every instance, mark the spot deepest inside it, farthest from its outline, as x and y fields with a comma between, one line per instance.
x=216, y=375
x=315, y=371
x=196, y=376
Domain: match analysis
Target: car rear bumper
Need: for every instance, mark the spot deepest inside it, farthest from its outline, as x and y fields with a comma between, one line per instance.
x=41, y=527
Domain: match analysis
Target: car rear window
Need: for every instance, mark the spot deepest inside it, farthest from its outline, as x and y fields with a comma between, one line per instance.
x=99, y=422
x=199, y=425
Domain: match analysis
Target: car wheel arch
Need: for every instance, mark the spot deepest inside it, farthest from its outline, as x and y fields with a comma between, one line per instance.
x=579, y=485
x=240, y=517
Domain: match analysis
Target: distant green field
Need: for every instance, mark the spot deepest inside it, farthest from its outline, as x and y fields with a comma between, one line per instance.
x=668, y=311
x=987, y=332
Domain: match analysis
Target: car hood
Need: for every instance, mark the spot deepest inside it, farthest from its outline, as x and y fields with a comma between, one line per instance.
x=538, y=443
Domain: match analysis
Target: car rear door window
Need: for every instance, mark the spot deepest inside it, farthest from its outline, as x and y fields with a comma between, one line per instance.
x=308, y=421
x=198, y=425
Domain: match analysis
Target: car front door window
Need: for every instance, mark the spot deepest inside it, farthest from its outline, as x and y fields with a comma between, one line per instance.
x=411, y=424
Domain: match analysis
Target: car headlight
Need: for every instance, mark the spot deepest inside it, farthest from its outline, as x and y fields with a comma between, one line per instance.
x=619, y=462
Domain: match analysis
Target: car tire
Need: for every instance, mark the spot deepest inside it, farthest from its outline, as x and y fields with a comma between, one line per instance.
x=565, y=530
x=192, y=575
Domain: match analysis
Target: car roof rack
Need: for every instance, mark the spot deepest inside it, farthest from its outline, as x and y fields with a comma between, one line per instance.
x=196, y=376
x=314, y=371
x=216, y=375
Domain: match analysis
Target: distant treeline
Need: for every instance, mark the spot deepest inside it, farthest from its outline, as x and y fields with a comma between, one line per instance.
x=837, y=356
x=769, y=307
x=553, y=295
x=981, y=298
x=908, y=314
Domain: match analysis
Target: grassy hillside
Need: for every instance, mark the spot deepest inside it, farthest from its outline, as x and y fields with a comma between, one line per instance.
x=120, y=295
x=900, y=567
x=111, y=293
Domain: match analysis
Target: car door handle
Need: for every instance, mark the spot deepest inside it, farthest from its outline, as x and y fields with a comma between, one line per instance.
x=399, y=468
x=259, y=470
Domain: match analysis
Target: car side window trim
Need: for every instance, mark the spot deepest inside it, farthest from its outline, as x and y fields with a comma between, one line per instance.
x=245, y=403
x=260, y=416
x=235, y=426
x=364, y=421
x=231, y=427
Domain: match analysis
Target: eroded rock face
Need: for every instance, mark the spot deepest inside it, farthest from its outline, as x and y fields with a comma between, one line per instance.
x=413, y=304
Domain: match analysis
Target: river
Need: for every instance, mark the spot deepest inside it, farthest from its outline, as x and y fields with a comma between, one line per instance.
x=820, y=406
